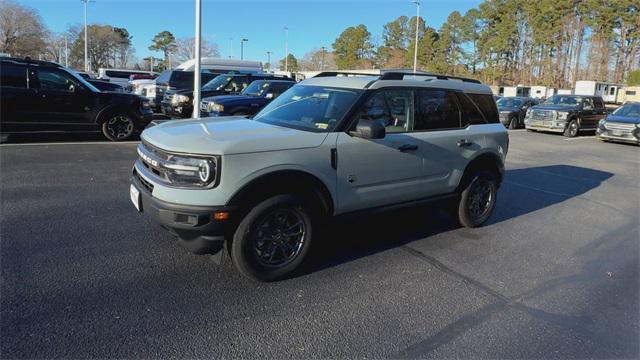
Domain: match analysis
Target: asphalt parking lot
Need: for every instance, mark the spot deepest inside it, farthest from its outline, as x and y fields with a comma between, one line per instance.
x=553, y=275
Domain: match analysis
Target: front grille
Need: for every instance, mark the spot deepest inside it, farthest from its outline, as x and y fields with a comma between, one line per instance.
x=168, y=97
x=621, y=127
x=147, y=185
x=143, y=92
x=543, y=115
x=204, y=106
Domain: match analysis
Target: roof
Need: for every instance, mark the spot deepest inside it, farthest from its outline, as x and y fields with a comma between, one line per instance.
x=361, y=82
x=29, y=61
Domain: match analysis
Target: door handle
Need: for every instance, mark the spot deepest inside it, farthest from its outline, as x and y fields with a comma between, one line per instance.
x=464, y=143
x=408, y=147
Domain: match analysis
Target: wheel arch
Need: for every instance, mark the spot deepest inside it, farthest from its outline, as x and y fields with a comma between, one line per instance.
x=487, y=160
x=298, y=182
x=101, y=115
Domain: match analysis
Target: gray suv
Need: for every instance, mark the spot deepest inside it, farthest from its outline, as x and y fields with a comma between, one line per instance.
x=330, y=146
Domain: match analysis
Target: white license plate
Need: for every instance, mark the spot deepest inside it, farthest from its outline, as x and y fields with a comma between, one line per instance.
x=616, y=133
x=135, y=196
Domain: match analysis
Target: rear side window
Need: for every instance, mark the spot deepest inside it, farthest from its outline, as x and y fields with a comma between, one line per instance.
x=470, y=113
x=598, y=102
x=13, y=76
x=487, y=106
x=436, y=109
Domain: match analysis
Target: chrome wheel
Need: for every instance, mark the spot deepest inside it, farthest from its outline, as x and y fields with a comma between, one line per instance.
x=120, y=127
x=279, y=237
x=480, y=199
x=573, y=128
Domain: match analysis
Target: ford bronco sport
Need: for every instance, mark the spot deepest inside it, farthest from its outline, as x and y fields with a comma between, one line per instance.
x=331, y=145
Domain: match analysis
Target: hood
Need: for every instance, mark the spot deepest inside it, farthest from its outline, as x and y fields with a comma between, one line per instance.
x=623, y=119
x=226, y=99
x=228, y=135
x=556, y=107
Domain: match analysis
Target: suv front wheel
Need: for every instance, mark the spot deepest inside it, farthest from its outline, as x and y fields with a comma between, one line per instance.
x=273, y=239
x=478, y=199
x=118, y=127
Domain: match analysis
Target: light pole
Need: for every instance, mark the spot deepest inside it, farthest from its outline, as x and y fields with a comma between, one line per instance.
x=242, y=41
x=323, y=49
x=269, y=59
x=286, y=49
x=196, y=70
x=86, y=46
x=66, y=51
x=415, y=50
x=231, y=42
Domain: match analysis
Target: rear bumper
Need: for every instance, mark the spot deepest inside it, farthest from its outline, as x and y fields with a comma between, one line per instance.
x=194, y=226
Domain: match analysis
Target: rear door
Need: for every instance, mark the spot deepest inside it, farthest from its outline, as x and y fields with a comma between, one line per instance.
x=446, y=142
x=18, y=100
x=589, y=117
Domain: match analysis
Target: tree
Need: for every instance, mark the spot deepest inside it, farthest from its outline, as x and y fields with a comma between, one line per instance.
x=107, y=46
x=22, y=32
x=185, y=49
x=317, y=60
x=353, y=48
x=395, y=33
x=633, y=78
x=292, y=63
x=163, y=41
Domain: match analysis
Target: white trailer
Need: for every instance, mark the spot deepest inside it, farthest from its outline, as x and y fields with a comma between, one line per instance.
x=543, y=92
x=630, y=93
x=564, y=92
x=223, y=65
x=608, y=91
x=519, y=90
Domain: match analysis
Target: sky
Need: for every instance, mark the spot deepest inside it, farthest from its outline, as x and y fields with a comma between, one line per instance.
x=311, y=23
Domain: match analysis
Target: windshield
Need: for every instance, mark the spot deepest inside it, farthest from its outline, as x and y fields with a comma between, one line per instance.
x=309, y=108
x=563, y=100
x=256, y=88
x=218, y=83
x=509, y=103
x=82, y=80
x=630, y=110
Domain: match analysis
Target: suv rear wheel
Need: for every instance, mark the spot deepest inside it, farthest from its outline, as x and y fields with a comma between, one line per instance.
x=118, y=127
x=273, y=239
x=478, y=199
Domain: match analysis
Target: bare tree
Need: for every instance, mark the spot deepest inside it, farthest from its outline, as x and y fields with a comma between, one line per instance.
x=22, y=32
x=185, y=49
x=317, y=60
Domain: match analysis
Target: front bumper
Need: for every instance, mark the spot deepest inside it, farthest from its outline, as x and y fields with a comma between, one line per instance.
x=550, y=126
x=183, y=110
x=194, y=226
x=623, y=137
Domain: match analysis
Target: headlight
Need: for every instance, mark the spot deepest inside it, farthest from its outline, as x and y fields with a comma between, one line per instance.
x=188, y=171
x=179, y=99
x=601, y=122
x=213, y=107
x=151, y=91
x=562, y=115
x=528, y=112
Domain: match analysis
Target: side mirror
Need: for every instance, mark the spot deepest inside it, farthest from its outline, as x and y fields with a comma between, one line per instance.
x=269, y=96
x=369, y=130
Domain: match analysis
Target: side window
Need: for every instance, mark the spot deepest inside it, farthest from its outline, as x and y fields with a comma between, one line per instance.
x=436, y=109
x=393, y=108
x=487, y=106
x=470, y=113
x=238, y=83
x=278, y=88
x=598, y=103
x=55, y=80
x=13, y=76
x=587, y=102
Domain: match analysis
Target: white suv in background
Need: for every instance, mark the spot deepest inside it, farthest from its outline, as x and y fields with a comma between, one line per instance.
x=329, y=146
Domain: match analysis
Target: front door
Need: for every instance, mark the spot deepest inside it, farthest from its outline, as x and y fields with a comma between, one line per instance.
x=589, y=119
x=378, y=172
x=64, y=101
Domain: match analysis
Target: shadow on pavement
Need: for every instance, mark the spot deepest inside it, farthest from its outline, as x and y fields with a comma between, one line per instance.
x=523, y=191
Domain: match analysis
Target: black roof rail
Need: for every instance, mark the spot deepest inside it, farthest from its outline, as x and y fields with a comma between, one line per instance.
x=399, y=75
x=28, y=60
x=342, y=73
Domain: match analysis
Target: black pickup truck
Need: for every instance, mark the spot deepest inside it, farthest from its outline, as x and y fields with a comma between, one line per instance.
x=567, y=114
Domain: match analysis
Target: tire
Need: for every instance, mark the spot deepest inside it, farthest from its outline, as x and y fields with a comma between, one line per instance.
x=269, y=259
x=573, y=128
x=469, y=214
x=513, y=124
x=118, y=126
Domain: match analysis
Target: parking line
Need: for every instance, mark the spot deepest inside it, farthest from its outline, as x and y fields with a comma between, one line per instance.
x=580, y=138
x=73, y=143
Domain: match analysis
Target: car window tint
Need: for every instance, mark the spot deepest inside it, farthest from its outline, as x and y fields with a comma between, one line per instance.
x=13, y=76
x=587, y=102
x=487, y=106
x=470, y=113
x=598, y=103
x=55, y=80
x=392, y=108
x=436, y=109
